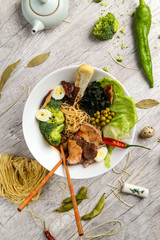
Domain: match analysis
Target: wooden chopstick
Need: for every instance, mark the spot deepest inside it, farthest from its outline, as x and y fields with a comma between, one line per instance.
x=33, y=193
x=76, y=212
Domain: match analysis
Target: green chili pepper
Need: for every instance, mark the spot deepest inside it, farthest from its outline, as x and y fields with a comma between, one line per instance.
x=69, y=205
x=142, y=23
x=97, y=210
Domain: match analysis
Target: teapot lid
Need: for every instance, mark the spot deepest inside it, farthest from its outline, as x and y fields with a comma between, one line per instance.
x=44, y=7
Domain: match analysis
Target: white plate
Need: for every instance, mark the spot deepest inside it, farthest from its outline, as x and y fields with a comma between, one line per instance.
x=40, y=149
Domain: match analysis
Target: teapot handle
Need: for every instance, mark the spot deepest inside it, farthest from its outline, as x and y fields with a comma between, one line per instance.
x=43, y=1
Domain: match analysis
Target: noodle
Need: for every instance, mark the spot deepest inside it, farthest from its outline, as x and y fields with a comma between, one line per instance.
x=19, y=177
x=74, y=117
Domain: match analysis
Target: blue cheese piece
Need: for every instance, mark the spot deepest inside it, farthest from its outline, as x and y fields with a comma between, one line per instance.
x=135, y=190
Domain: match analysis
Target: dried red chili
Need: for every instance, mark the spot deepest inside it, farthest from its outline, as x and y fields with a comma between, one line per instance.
x=47, y=233
x=116, y=143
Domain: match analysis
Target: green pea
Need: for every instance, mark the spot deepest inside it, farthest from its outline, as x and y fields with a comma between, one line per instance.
x=97, y=113
x=97, y=210
x=106, y=115
x=102, y=119
x=109, y=117
x=107, y=109
x=113, y=114
x=98, y=116
x=105, y=112
x=107, y=121
x=93, y=123
x=92, y=119
x=103, y=124
x=97, y=120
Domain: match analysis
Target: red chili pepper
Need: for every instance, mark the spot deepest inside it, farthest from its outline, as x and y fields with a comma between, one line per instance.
x=47, y=233
x=116, y=143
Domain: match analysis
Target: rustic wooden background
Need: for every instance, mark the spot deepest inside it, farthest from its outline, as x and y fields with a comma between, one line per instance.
x=72, y=43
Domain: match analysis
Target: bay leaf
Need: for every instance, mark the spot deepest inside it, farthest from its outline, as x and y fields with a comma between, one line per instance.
x=6, y=74
x=38, y=60
x=147, y=103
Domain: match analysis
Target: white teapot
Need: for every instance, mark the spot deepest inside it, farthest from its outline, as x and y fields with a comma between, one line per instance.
x=44, y=14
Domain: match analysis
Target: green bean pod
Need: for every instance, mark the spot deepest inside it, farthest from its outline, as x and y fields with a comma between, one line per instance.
x=142, y=24
x=78, y=197
x=69, y=205
x=97, y=210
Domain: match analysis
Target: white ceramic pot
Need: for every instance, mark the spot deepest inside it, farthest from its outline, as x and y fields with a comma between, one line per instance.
x=44, y=14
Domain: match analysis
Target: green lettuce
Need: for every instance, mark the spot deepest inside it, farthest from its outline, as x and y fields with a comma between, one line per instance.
x=124, y=107
x=117, y=88
x=125, y=118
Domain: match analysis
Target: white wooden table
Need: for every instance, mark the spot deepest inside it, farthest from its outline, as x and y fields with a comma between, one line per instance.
x=72, y=43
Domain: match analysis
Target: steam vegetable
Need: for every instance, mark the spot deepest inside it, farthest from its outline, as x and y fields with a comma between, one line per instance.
x=105, y=27
x=52, y=128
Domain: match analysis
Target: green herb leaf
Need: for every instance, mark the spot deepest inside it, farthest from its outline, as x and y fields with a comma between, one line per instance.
x=38, y=60
x=147, y=103
x=6, y=74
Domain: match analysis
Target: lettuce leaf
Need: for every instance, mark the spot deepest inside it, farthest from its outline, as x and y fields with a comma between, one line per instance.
x=117, y=88
x=124, y=107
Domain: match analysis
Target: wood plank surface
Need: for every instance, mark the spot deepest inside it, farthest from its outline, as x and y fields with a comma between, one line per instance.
x=70, y=44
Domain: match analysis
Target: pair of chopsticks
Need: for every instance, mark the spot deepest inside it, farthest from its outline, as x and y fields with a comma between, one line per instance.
x=47, y=177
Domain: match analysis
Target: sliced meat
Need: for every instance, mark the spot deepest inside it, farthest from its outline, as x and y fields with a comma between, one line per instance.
x=79, y=140
x=108, y=91
x=86, y=163
x=75, y=153
x=74, y=95
x=89, y=151
x=46, y=99
x=90, y=133
x=71, y=92
x=68, y=88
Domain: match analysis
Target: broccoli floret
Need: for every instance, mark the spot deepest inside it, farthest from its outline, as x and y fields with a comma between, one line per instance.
x=51, y=131
x=105, y=27
x=55, y=136
x=54, y=126
x=46, y=128
x=98, y=1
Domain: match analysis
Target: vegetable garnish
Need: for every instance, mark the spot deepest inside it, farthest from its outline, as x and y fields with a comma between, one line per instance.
x=106, y=27
x=116, y=143
x=142, y=23
x=47, y=233
x=6, y=74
